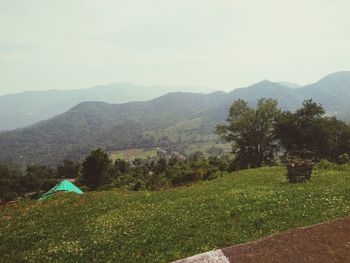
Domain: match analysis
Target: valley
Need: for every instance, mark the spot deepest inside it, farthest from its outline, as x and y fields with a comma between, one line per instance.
x=172, y=120
x=175, y=131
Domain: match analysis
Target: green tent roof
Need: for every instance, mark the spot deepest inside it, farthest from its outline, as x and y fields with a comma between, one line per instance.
x=63, y=186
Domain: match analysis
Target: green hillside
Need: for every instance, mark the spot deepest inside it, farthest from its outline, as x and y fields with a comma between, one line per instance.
x=185, y=130
x=97, y=124
x=23, y=109
x=175, y=118
x=163, y=226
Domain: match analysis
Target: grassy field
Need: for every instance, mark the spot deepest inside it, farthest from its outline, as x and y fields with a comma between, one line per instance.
x=204, y=147
x=187, y=130
x=164, y=226
x=132, y=154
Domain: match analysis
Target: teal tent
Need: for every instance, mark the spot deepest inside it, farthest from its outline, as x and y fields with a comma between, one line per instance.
x=63, y=186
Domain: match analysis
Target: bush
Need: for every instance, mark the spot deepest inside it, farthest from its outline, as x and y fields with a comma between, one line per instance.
x=139, y=185
x=299, y=169
x=324, y=165
x=343, y=158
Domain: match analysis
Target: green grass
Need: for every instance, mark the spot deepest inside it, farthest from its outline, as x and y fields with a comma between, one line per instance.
x=132, y=154
x=187, y=129
x=164, y=226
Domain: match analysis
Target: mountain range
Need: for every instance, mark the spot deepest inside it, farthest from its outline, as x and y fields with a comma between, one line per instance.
x=24, y=109
x=151, y=123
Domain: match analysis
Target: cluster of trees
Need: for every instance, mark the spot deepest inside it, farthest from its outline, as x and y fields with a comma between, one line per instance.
x=33, y=180
x=251, y=132
x=261, y=135
x=98, y=172
x=98, y=124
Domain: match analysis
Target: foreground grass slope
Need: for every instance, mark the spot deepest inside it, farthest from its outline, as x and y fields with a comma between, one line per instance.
x=164, y=226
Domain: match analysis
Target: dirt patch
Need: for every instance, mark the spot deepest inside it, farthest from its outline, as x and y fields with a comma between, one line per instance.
x=323, y=243
x=326, y=242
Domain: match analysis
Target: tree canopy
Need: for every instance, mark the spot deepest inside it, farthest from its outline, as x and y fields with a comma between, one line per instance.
x=309, y=130
x=95, y=169
x=257, y=134
x=251, y=132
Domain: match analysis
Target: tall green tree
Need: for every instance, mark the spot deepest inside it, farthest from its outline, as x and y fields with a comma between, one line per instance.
x=308, y=130
x=69, y=169
x=10, y=187
x=251, y=132
x=161, y=166
x=95, y=169
x=121, y=166
x=38, y=178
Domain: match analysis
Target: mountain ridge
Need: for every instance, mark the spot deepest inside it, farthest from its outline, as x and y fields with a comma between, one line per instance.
x=119, y=126
x=23, y=109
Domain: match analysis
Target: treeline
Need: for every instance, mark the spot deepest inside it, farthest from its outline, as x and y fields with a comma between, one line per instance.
x=98, y=172
x=89, y=125
x=33, y=180
x=261, y=135
x=265, y=134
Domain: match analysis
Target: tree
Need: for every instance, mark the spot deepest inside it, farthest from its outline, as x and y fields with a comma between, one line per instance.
x=37, y=178
x=308, y=130
x=9, y=182
x=95, y=169
x=121, y=166
x=220, y=163
x=307, y=135
x=196, y=156
x=300, y=131
x=251, y=132
x=15, y=182
x=161, y=166
x=69, y=169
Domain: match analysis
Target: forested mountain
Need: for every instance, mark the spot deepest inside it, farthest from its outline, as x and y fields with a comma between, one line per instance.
x=333, y=91
x=92, y=124
x=23, y=109
x=136, y=124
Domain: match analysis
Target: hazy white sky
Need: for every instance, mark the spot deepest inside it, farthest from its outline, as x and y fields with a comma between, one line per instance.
x=222, y=44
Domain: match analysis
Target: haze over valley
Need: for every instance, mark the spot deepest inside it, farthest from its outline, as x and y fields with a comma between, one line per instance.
x=175, y=131
x=146, y=124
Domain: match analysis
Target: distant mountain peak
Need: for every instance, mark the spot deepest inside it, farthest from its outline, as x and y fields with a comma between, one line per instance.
x=265, y=81
x=266, y=84
x=289, y=84
x=95, y=123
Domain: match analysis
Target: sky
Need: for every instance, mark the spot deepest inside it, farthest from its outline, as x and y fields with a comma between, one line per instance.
x=221, y=44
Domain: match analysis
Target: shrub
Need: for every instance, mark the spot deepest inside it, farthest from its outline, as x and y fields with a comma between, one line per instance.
x=299, y=169
x=324, y=165
x=344, y=158
x=139, y=185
